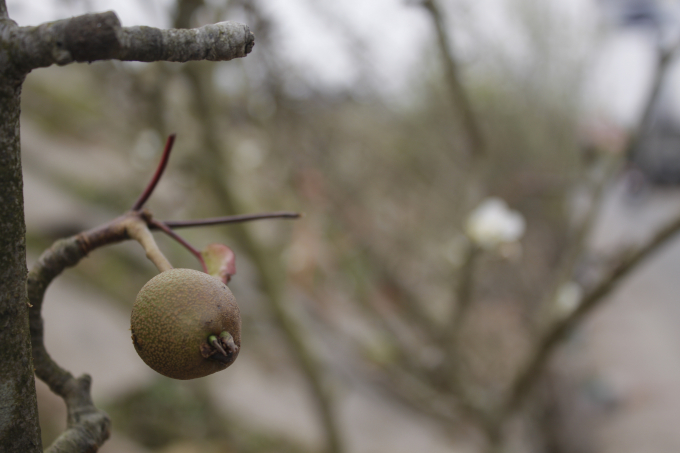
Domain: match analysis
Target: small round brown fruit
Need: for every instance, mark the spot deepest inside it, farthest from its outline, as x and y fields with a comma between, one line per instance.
x=186, y=324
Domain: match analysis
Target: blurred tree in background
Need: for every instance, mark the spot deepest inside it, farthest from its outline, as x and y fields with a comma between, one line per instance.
x=382, y=317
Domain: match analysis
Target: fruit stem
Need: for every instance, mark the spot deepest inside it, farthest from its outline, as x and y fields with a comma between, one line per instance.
x=157, y=176
x=137, y=229
x=167, y=230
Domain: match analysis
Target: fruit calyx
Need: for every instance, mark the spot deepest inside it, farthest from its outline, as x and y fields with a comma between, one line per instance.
x=221, y=349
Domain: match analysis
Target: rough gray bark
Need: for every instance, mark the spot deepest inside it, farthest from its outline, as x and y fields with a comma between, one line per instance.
x=19, y=429
x=87, y=427
x=101, y=37
x=22, y=49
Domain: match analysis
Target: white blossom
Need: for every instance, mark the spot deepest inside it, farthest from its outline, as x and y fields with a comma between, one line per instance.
x=492, y=224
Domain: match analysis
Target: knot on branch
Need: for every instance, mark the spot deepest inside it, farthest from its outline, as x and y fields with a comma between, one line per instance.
x=90, y=37
x=88, y=427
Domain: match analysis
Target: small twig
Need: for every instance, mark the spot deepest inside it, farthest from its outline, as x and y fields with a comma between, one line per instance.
x=471, y=125
x=450, y=369
x=155, y=224
x=231, y=219
x=157, y=176
x=3, y=10
x=665, y=57
x=463, y=291
x=533, y=369
x=578, y=242
x=459, y=97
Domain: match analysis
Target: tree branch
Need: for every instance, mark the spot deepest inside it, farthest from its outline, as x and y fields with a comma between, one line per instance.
x=533, y=369
x=87, y=427
x=459, y=97
x=100, y=36
x=664, y=60
x=463, y=292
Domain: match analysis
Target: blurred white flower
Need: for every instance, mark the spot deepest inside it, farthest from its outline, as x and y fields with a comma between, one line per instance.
x=568, y=298
x=492, y=224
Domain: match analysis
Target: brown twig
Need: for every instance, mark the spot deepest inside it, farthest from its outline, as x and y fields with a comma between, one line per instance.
x=231, y=219
x=665, y=58
x=578, y=242
x=165, y=229
x=157, y=176
x=459, y=97
x=450, y=369
x=463, y=293
x=87, y=426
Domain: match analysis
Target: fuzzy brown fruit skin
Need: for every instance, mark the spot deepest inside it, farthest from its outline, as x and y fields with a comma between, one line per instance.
x=173, y=316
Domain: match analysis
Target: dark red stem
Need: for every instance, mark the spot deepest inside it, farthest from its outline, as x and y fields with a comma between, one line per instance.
x=231, y=219
x=155, y=224
x=157, y=176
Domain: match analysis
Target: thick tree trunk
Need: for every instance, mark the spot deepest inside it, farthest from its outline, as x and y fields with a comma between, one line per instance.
x=19, y=429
